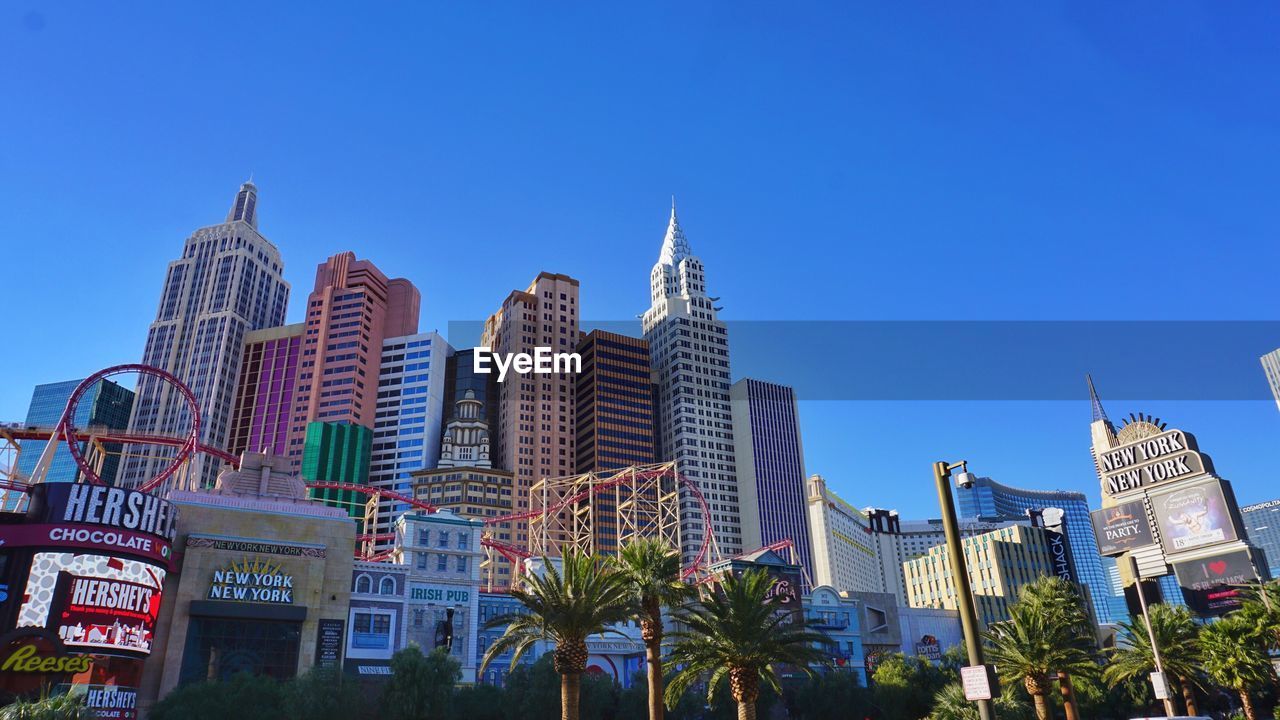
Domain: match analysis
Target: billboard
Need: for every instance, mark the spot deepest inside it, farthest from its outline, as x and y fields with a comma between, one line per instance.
x=1122, y=528
x=93, y=602
x=1193, y=517
x=105, y=506
x=1211, y=586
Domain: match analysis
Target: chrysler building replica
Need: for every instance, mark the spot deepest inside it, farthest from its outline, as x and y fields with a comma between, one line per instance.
x=689, y=348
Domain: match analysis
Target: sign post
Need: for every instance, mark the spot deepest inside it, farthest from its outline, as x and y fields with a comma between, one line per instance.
x=976, y=680
x=1159, y=686
x=1151, y=636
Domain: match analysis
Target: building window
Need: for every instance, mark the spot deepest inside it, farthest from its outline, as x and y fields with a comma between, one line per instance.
x=364, y=584
x=464, y=540
x=424, y=537
x=444, y=538
x=442, y=562
x=387, y=586
x=462, y=563
x=371, y=631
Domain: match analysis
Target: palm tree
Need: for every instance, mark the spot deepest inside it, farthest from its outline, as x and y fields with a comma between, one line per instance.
x=1177, y=637
x=950, y=704
x=49, y=707
x=1044, y=636
x=1262, y=607
x=740, y=632
x=1063, y=608
x=652, y=570
x=565, y=606
x=1235, y=657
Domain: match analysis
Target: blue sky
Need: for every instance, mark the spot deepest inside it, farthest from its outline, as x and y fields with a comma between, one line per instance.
x=1025, y=161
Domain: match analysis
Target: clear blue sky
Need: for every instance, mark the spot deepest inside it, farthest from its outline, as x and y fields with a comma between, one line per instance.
x=1070, y=161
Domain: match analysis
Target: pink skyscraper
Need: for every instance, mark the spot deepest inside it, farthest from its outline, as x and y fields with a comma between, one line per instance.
x=352, y=308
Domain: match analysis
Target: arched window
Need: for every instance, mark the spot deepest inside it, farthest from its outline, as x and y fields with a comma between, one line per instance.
x=387, y=586
x=364, y=584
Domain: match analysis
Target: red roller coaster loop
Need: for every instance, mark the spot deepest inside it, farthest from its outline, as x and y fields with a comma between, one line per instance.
x=186, y=444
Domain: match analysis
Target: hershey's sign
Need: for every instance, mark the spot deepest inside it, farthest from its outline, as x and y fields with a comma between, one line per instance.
x=104, y=505
x=1171, y=455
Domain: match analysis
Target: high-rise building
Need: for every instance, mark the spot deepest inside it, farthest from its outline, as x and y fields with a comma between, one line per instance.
x=1262, y=524
x=999, y=564
x=1271, y=366
x=265, y=392
x=898, y=541
x=465, y=481
x=535, y=413
x=228, y=282
x=614, y=403
x=990, y=501
x=461, y=381
x=770, y=461
x=406, y=434
x=689, y=350
x=338, y=453
x=844, y=551
x=106, y=405
x=351, y=310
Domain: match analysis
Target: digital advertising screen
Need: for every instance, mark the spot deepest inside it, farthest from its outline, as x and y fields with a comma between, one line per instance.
x=93, y=602
x=1193, y=517
x=1121, y=528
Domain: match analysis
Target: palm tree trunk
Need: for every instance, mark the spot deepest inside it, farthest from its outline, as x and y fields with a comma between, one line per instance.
x=570, y=689
x=1189, y=696
x=1250, y=712
x=1068, y=696
x=746, y=711
x=653, y=669
x=1042, y=707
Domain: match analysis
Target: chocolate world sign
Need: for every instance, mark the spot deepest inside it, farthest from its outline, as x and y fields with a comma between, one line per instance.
x=1162, y=458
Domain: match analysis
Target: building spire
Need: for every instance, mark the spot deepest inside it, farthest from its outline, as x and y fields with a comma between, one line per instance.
x=675, y=247
x=245, y=207
x=1098, y=412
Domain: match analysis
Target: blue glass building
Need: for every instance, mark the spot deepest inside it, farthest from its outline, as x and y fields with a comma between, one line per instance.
x=105, y=405
x=1262, y=525
x=990, y=501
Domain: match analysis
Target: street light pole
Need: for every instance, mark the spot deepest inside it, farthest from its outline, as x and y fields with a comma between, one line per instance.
x=960, y=573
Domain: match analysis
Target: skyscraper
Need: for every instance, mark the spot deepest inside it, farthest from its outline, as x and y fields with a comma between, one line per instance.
x=844, y=551
x=351, y=310
x=614, y=403
x=406, y=434
x=770, y=462
x=1262, y=523
x=535, y=413
x=105, y=405
x=689, y=350
x=990, y=501
x=227, y=283
x=1271, y=366
x=265, y=392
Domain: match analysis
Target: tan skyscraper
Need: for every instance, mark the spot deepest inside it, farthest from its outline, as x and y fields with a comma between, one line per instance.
x=534, y=438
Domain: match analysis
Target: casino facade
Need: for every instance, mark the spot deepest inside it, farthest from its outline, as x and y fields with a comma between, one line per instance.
x=84, y=576
x=122, y=596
